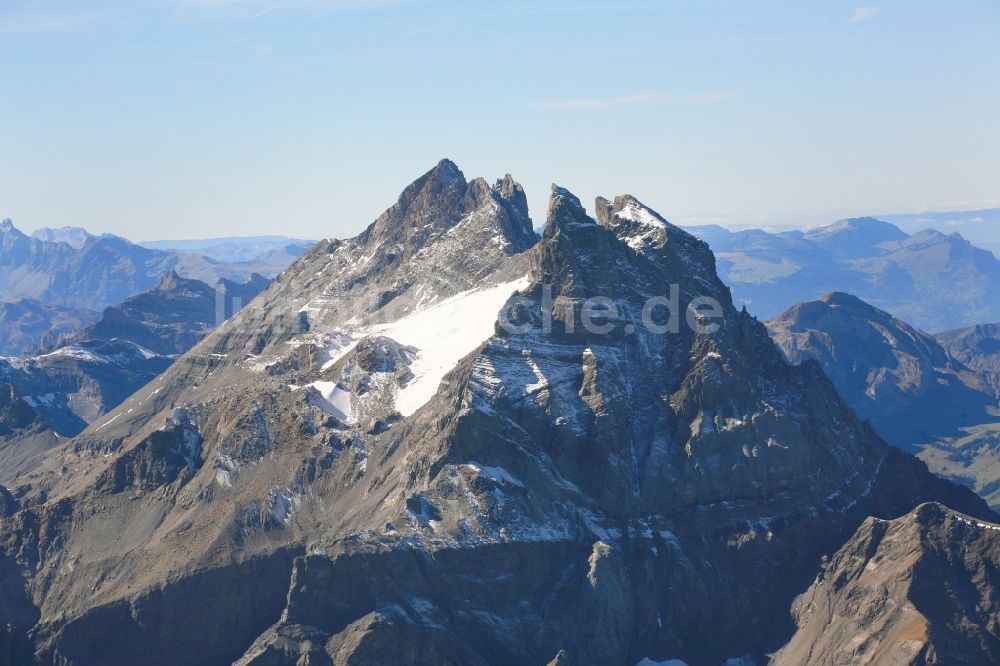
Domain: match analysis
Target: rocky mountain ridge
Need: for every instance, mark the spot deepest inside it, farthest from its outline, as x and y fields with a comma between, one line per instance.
x=404, y=451
x=887, y=595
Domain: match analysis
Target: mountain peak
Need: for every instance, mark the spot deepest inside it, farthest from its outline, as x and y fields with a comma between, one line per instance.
x=446, y=168
x=875, y=359
x=7, y=227
x=565, y=211
x=507, y=186
x=374, y=405
x=438, y=202
x=856, y=237
x=433, y=202
x=169, y=281
x=912, y=575
x=867, y=228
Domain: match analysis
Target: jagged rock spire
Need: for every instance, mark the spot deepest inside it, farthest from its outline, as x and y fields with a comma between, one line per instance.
x=170, y=280
x=438, y=201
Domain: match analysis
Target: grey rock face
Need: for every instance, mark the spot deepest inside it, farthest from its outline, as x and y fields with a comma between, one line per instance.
x=519, y=495
x=15, y=413
x=162, y=458
x=24, y=436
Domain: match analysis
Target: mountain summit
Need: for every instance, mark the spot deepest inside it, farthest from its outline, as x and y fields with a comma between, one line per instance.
x=448, y=440
x=899, y=378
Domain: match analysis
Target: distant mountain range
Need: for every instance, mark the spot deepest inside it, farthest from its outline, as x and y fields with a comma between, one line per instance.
x=935, y=281
x=73, y=269
x=236, y=248
x=84, y=374
x=981, y=227
x=899, y=378
x=170, y=318
x=74, y=385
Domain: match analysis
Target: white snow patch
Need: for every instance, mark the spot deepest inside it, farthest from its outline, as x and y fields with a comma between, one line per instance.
x=496, y=474
x=191, y=446
x=543, y=381
x=110, y=421
x=76, y=353
x=223, y=479
x=225, y=468
x=443, y=334
x=335, y=400
x=340, y=348
x=636, y=213
x=281, y=503
x=45, y=400
x=653, y=226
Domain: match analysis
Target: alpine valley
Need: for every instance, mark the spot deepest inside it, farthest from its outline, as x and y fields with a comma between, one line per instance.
x=402, y=452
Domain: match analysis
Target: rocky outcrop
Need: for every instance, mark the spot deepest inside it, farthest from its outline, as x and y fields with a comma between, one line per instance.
x=162, y=458
x=15, y=414
x=24, y=436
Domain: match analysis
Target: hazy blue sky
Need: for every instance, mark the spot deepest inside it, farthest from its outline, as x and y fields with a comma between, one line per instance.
x=193, y=118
